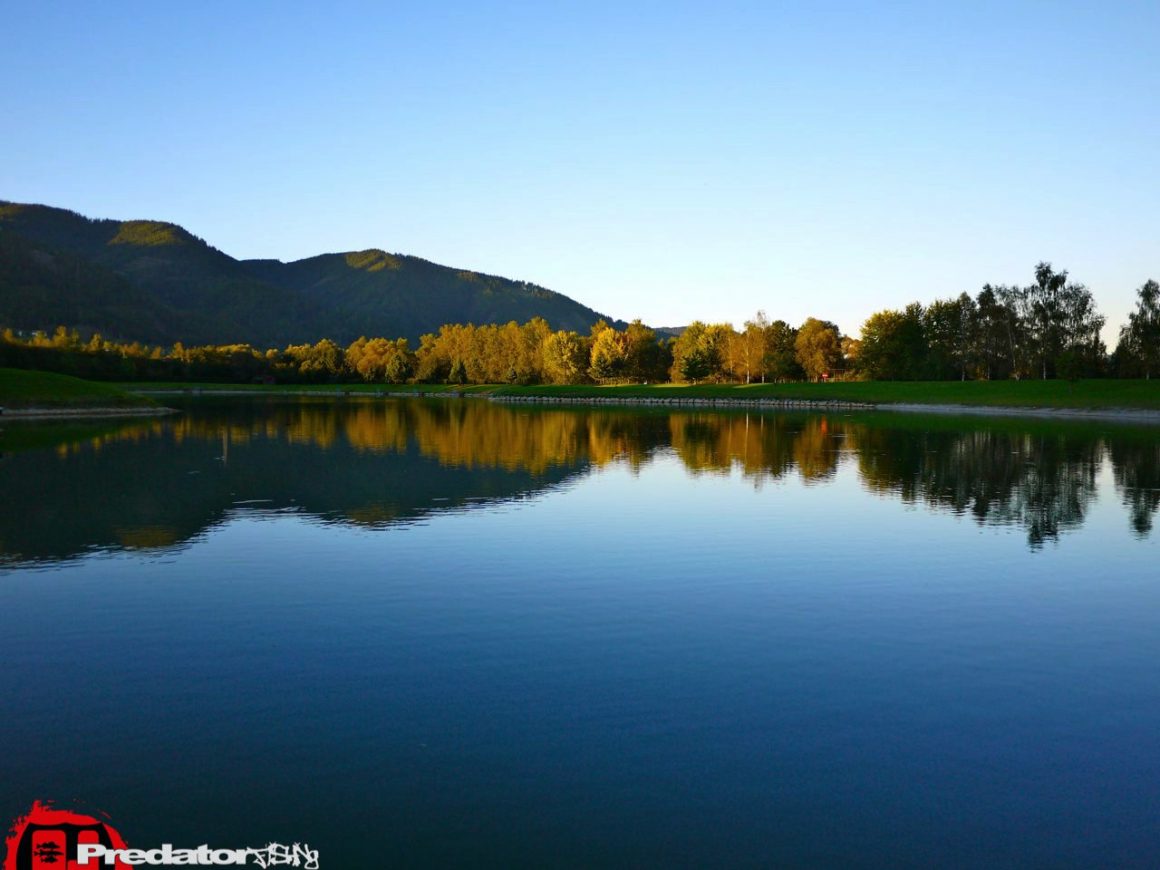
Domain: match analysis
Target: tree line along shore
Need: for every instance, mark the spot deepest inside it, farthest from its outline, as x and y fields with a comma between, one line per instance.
x=1047, y=330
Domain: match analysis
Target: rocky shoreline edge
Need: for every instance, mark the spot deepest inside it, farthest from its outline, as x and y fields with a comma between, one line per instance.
x=82, y=413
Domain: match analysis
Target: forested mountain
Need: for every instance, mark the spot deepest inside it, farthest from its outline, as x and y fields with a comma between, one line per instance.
x=40, y=285
x=156, y=282
x=394, y=295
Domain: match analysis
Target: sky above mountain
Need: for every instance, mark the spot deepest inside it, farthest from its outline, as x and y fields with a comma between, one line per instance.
x=668, y=161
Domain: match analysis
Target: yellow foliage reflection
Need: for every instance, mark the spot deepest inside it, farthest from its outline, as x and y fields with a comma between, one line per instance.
x=331, y=458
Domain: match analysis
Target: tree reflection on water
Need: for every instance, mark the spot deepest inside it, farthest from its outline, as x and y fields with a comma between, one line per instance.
x=156, y=484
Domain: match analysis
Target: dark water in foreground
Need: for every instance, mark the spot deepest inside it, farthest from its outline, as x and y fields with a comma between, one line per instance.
x=454, y=634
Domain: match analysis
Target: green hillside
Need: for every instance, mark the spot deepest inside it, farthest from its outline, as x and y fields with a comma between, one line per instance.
x=42, y=286
x=156, y=282
x=20, y=388
x=376, y=293
x=199, y=294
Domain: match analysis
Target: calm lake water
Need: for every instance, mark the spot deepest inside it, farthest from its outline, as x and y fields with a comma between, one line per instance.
x=452, y=633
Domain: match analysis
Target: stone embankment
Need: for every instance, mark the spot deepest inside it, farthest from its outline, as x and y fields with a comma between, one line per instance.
x=83, y=413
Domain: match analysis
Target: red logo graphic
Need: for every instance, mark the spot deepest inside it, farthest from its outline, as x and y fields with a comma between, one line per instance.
x=47, y=839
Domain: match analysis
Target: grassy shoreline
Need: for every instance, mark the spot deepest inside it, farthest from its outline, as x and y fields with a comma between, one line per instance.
x=31, y=394
x=1090, y=394
x=1112, y=395
x=24, y=391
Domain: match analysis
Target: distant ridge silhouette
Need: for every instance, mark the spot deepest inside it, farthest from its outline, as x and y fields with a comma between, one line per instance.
x=156, y=282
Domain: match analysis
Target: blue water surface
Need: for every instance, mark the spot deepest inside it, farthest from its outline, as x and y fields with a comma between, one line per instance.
x=460, y=635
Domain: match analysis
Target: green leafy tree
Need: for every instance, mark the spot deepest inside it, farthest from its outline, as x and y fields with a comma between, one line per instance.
x=645, y=357
x=696, y=365
x=894, y=345
x=716, y=342
x=695, y=354
x=699, y=351
x=780, y=362
x=950, y=327
x=852, y=353
x=818, y=348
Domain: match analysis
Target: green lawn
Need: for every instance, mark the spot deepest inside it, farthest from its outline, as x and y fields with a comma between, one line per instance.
x=324, y=389
x=1028, y=394
x=1093, y=394
x=21, y=388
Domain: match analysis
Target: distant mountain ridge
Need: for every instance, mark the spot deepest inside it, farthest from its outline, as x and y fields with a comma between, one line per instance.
x=156, y=282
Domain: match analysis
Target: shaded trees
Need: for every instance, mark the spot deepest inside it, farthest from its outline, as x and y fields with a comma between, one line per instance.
x=951, y=329
x=646, y=358
x=780, y=362
x=995, y=330
x=1047, y=328
x=1139, y=347
x=1062, y=323
x=893, y=344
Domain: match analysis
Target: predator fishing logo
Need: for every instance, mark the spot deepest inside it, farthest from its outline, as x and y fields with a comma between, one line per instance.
x=51, y=839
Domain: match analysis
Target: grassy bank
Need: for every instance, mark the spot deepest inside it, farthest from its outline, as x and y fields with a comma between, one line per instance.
x=1088, y=394
x=321, y=389
x=22, y=388
x=1094, y=394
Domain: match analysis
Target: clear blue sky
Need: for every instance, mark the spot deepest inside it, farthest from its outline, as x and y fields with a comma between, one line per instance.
x=668, y=160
